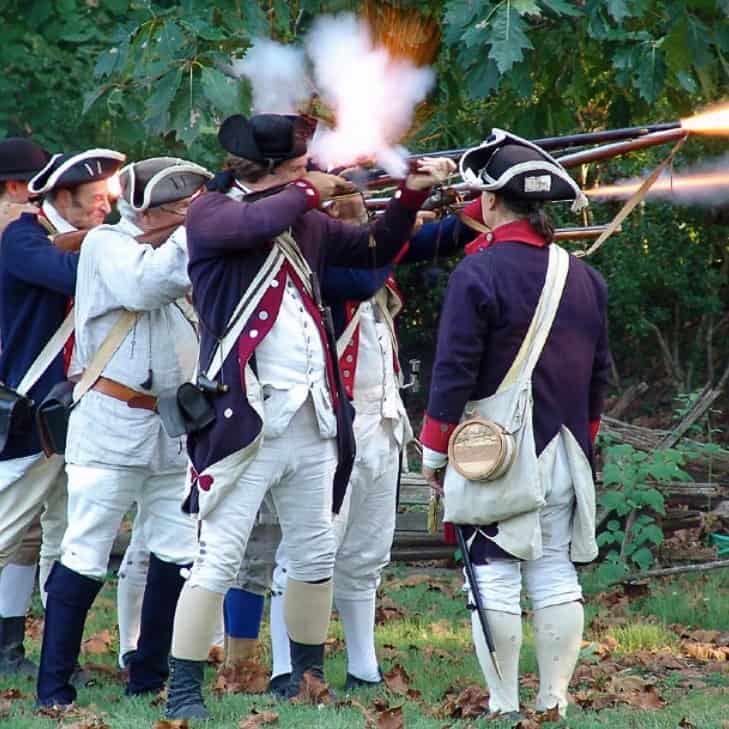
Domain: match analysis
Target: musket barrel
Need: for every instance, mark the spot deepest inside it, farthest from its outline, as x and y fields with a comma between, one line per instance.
x=575, y=140
x=616, y=149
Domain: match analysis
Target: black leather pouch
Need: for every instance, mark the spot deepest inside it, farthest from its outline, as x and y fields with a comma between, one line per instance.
x=52, y=418
x=16, y=414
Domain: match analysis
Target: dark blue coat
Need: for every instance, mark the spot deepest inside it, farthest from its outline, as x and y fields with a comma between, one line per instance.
x=36, y=281
x=489, y=304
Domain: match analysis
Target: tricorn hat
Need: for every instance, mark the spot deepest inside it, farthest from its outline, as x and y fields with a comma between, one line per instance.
x=266, y=138
x=76, y=168
x=20, y=159
x=160, y=180
x=516, y=168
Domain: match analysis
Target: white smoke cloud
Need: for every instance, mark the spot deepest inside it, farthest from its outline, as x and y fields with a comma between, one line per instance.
x=372, y=94
x=277, y=74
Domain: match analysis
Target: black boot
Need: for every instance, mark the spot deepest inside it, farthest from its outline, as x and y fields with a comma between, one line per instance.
x=354, y=682
x=305, y=659
x=70, y=596
x=149, y=664
x=184, y=693
x=12, y=650
x=279, y=685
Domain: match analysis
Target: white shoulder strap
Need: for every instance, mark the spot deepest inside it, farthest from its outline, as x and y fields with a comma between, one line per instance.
x=346, y=336
x=123, y=325
x=541, y=324
x=43, y=361
x=244, y=310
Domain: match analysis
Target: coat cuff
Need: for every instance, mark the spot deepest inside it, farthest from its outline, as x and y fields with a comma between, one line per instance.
x=474, y=210
x=434, y=459
x=435, y=434
x=594, y=429
x=312, y=194
x=411, y=199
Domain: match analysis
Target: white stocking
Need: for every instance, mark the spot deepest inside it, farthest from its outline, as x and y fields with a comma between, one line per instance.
x=558, y=636
x=16, y=589
x=129, y=596
x=280, y=648
x=358, y=621
x=507, y=634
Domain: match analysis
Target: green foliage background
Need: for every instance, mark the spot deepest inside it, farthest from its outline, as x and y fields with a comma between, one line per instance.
x=145, y=76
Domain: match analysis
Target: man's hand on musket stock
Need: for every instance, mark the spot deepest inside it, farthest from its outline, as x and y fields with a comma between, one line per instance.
x=329, y=185
x=434, y=478
x=430, y=171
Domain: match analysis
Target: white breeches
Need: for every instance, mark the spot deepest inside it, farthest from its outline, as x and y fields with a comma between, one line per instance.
x=298, y=468
x=365, y=526
x=98, y=499
x=27, y=486
x=551, y=579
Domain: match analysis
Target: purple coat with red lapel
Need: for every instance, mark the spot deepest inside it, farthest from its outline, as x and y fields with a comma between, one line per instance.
x=228, y=241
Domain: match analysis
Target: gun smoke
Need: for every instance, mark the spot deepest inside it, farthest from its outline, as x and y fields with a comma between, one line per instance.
x=372, y=94
x=704, y=184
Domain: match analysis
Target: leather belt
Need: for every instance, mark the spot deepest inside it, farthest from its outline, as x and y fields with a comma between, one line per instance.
x=132, y=398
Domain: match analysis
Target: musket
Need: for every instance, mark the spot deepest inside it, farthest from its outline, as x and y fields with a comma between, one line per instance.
x=607, y=151
x=566, y=141
x=478, y=602
x=155, y=237
x=378, y=178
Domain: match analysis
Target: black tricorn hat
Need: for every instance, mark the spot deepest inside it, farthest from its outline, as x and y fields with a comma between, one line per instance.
x=265, y=138
x=20, y=159
x=160, y=180
x=76, y=168
x=516, y=168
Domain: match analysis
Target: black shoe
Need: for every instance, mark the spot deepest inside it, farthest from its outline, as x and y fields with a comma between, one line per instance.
x=149, y=664
x=184, y=694
x=308, y=659
x=70, y=596
x=279, y=685
x=353, y=682
x=12, y=651
x=81, y=678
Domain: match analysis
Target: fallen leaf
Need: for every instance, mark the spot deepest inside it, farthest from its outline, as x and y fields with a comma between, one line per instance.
x=88, y=723
x=705, y=651
x=397, y=679
x=385, y=613
x=171, y=724
x=389, y=651
x=258, y=718
x=13, y=694
x=686, y=724
x=470, y=703
x=111, y=673
x=391, y=718
x=312, y=690
x=244, y=677
x=431, y=652
x=526, y=724
x=216, y=655
x=97, y=644
x=34, y=628
x=334, y=645
x=549, y=715
x=369, y=717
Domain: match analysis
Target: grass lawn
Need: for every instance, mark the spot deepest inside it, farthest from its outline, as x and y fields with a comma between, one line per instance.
x=666, y=649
